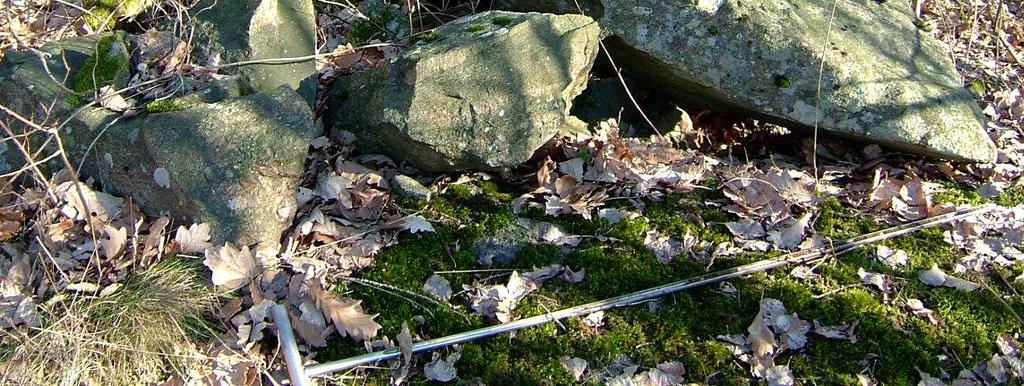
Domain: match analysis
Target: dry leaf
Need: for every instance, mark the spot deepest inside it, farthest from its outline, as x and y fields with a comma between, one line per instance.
x=113, y=101
x=575, y=366
x=779, y=376
x=232, y=268
x=573, y=277
x=162, y=178
x=917, y=307
x=594, y=319
x=844, y=331
x=442, y=370
x=311, y=325
x=928, y=380
x=877, y=280
x=866, y=380
x=935, y=277
x=438, y=287
x=790, y=236
x=404, y=339
x=416, y=223
x=892, y=258
x=614, y=216
x=499, y=301
x=114, y=243
x=665, y=248
x=347, y=315
x=194, y=239
x=104, y=207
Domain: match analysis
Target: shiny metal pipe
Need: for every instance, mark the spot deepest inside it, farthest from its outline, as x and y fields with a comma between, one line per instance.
x=800, y=257
x=286, y=337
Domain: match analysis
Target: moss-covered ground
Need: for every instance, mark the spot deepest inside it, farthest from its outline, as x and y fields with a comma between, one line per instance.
x=891, y=344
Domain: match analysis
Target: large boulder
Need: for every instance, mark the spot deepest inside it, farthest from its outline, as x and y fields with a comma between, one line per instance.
x=234, y=163
x=252, y=30
x=482, y=92
x=883, y=79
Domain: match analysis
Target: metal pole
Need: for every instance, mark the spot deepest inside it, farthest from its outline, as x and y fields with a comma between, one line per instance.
x=285, y=336
x=800, y=257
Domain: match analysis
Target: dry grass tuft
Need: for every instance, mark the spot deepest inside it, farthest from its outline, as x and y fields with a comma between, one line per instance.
x=134, y=335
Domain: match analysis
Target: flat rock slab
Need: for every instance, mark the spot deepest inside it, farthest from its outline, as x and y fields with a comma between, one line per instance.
x=247, y=30
x=482, y=92
x=234, y=164
x=883, y=79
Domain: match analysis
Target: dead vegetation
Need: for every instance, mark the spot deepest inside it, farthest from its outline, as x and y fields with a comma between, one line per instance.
x=134, y=332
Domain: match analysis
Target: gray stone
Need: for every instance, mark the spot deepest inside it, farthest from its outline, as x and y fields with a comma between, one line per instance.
x=48, y=88
x=244, y=30
x=483, y=93
x=502, y=247
x=883, y=79
x=234, y=164
x=409, y=187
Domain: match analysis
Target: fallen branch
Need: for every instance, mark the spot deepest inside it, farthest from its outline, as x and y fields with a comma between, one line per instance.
x=800, y=257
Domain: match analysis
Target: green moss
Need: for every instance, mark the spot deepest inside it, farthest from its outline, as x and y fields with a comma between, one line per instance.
x=164, y=106
x=1011, y=197
x=103, y=14
x=107, y=66
x=425, y=37
x=977, y=86
x=683, y=326
x=361, y=31
x=781, y=81
x=74, y=100
x=962, y=194
x=101, y=18
x=837, y=223
x=377, y=25
x=502, y=21
x=476, y=27
x=958, y=194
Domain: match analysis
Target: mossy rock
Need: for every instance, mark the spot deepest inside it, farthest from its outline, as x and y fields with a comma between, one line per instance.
x=109, y=65
x=104, y=14
x=45, y=89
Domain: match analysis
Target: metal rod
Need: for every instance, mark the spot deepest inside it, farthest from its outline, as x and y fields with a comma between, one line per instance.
x=799, y=257
x=296, y=371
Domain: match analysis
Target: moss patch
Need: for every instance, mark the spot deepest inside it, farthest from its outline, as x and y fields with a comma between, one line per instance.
x=164, y=106
x=476, y=27
x=107, y=66
x=683, y=326
x=502, y=21
x=104, y=14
